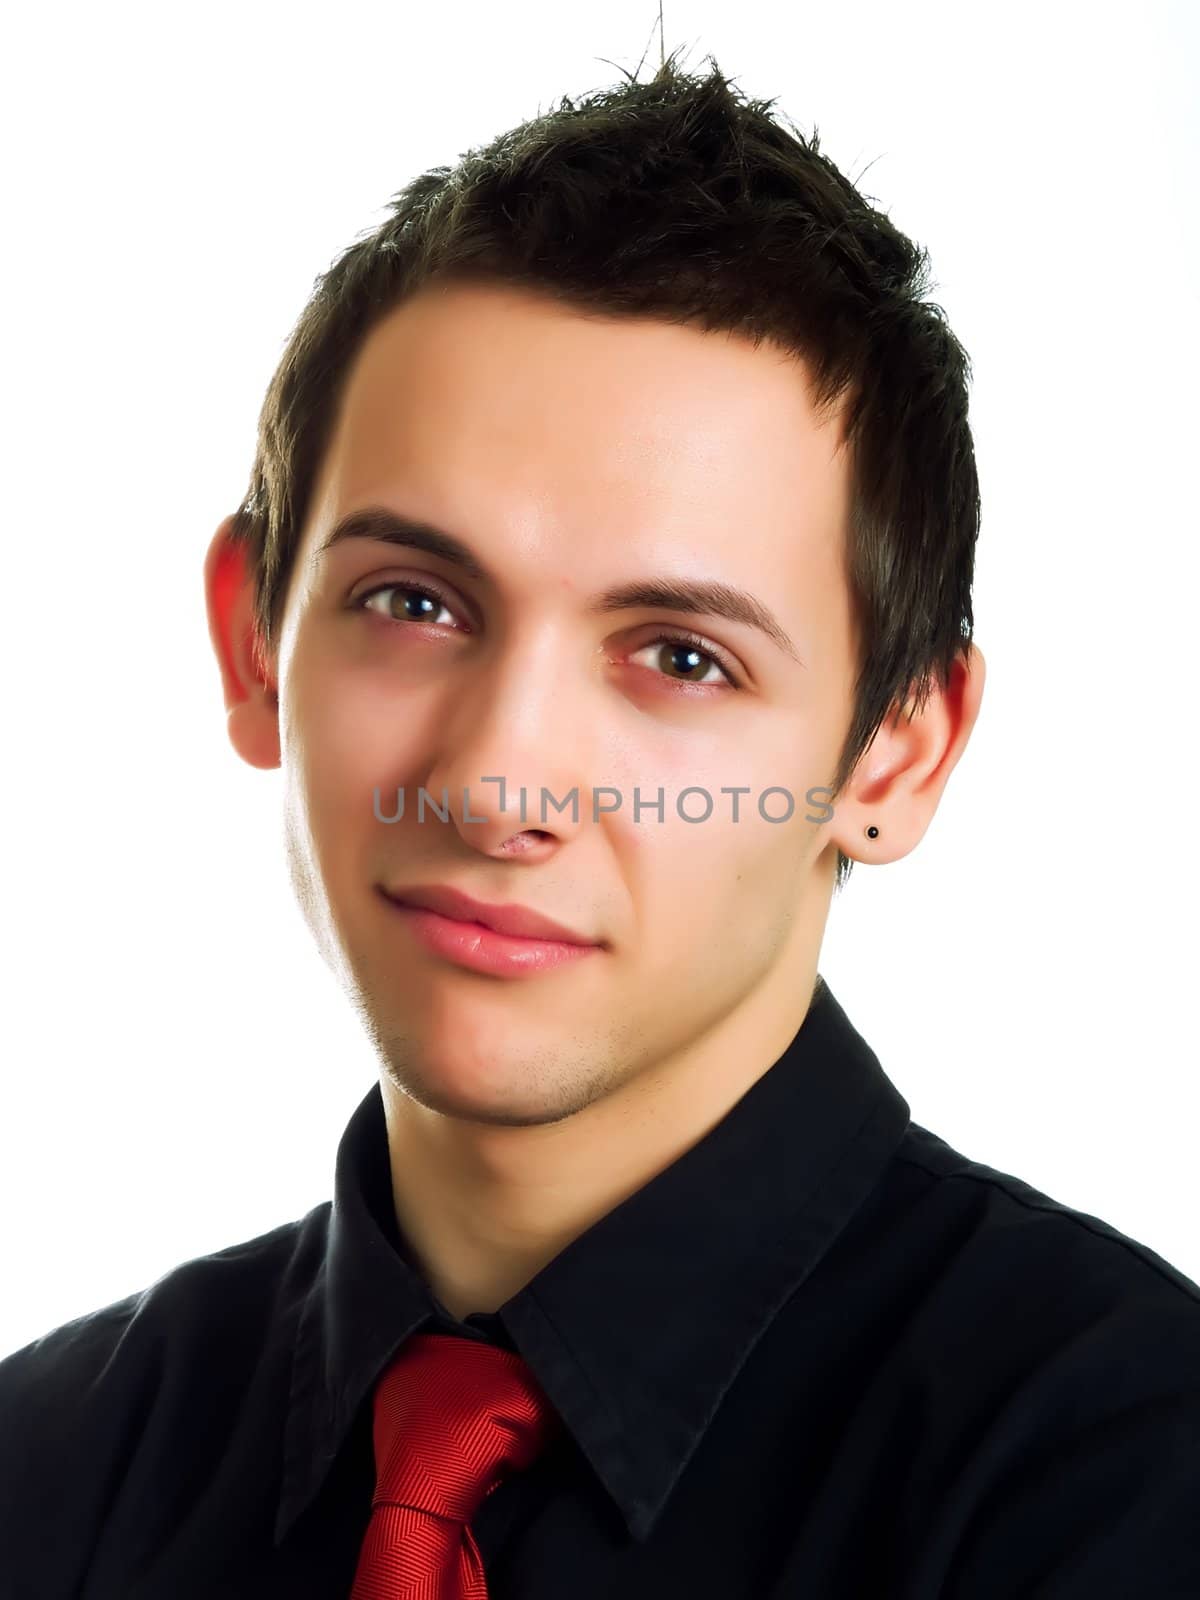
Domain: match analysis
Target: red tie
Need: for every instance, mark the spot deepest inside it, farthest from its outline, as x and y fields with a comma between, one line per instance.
x=453, y=1417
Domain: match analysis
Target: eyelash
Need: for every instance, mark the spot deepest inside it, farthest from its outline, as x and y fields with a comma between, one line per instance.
x=682, y=637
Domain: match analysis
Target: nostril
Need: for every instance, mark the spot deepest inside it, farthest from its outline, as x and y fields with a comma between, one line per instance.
x=524, y=841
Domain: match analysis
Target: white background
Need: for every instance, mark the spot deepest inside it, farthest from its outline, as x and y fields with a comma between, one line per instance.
x=178, y=1063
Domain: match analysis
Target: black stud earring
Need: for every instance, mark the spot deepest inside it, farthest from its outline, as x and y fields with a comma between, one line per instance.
x=872, y=832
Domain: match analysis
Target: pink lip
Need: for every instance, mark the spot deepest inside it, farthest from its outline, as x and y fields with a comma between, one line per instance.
x=516, y=921
x=481, y=949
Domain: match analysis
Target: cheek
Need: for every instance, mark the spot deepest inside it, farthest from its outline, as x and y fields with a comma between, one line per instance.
x=343, y=743
x=716, y=902
x=717, y=867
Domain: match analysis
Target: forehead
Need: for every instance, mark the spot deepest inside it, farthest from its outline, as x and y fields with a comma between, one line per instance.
x=520, y=420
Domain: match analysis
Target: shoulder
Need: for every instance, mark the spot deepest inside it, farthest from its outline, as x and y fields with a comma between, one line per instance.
x=188, y=1300
x=1070, y=1353
x=91, y=1388
x=1022, y=1293
x=1030, y=1239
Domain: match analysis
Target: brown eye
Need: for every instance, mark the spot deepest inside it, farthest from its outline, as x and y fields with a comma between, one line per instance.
x=690, y=657
x=428, y=602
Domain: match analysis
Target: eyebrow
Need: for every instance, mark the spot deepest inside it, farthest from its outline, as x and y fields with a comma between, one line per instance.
x=692, y=595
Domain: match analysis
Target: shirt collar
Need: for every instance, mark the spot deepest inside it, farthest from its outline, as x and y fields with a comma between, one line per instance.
x=628, y=1354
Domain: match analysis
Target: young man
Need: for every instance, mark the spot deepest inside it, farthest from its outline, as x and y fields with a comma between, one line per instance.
x=603, y=590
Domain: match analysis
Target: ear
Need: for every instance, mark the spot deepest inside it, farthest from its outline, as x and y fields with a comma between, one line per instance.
x=900, y=777
x=247, y=675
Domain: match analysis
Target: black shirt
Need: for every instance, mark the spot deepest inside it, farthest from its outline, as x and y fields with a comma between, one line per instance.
x=821, y=1354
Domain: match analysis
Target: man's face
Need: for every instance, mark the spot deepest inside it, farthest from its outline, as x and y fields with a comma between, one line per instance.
x=571, y=456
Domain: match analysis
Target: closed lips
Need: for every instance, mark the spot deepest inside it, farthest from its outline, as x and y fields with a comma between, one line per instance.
x=515, y=920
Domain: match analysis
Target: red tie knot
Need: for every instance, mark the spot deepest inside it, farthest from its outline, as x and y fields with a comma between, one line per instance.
x=453, y=1417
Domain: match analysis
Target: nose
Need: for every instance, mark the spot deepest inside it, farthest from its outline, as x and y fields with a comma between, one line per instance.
x=511, y=765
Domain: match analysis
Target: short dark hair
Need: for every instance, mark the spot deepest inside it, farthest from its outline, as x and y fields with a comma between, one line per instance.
x=679, y=199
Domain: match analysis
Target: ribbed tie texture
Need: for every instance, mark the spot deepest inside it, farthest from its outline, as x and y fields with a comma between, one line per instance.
x=453, y=1417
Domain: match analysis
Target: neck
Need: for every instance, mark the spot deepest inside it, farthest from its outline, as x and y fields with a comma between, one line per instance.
x=485, y=1205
